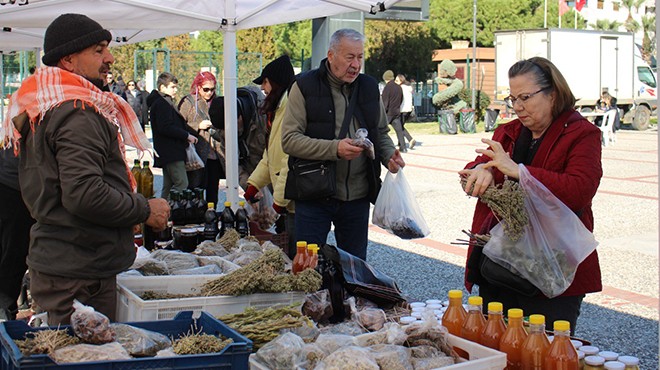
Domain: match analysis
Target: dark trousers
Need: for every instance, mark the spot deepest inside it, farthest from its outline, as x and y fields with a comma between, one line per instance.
x=558, y=308
x=351, y=221
x=15, y=223
x=401, y=133
x=214, y=172
x=55, y=295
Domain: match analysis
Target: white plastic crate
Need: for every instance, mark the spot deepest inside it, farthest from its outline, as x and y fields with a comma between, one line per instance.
x=130, y=307
x=481, y=357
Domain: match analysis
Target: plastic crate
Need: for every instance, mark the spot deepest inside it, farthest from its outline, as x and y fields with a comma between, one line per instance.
x=281, y=240
x=234, y=356
x=130, y=307
x=481, y=358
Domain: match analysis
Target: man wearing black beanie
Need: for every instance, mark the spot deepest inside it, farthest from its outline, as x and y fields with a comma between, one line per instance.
x=73, y=174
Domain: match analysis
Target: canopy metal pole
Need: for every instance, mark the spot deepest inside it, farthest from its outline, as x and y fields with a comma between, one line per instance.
x=229, y=85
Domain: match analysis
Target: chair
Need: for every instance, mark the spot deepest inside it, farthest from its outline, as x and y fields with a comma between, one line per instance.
x=606, y=128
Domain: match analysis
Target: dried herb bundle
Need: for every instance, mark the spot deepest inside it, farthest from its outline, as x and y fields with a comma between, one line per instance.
x=151, y=295
x=507, y=201
x=197, y=344
x=45, y=342
x=229, y=239
x=264, y=275
x=262, y=326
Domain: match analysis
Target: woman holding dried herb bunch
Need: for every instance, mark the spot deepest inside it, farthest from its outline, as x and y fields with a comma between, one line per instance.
x=560, y=149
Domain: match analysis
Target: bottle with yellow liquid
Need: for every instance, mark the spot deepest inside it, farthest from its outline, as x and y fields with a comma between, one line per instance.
x=136, y=174
x=474, y=321
x=513, y=338
x=495, y=327
x=146, y=180
x=561, y=355
x=536, y=345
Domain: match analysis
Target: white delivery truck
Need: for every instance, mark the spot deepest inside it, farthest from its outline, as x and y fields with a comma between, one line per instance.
x=591, y=61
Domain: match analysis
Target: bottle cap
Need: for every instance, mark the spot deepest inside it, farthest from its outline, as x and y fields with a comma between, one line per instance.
x=227, y=204
x=241, y=203
x=629, y=360
x=311, y=246
x=608, y=355
x=614, y=365
x=146, y=163
x=455, y=294
x=495, y=307
x=136, y=161
x=537, y=319
x=211, y=205
x=301, y=244
x=515, y=313
x=314, y=248
x=590, y=350
x=475, y=300
x=594, y=360
x=562, y=325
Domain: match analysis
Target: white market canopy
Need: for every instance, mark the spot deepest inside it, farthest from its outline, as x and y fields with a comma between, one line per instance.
x=139, y=20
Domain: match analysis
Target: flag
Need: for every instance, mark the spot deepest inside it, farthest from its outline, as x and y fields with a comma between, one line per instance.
x=579, y=4
x=563, y=7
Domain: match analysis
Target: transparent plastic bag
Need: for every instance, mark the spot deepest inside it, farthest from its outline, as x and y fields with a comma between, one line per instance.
x=193, y=161
x=140, y=342
x=91, y=326
x=552, y=246
x=363, y=141
x=396, y=209
x=89, y=352
x=262, y=211
x=282, y=352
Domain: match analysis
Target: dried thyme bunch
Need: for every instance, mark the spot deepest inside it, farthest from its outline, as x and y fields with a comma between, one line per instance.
x=507, y=201
x=46, y=342
x=197, y=344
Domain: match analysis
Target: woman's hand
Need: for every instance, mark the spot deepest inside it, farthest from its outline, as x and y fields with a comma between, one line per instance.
x=478, y=179
x=499, y=159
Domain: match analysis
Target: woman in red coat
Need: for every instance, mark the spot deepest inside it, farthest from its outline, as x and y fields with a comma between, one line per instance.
x=562, y=150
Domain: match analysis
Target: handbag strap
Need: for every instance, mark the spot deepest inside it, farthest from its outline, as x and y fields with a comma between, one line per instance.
x=349, y=113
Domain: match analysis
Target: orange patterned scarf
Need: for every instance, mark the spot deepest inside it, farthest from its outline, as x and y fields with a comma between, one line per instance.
x=49, y=87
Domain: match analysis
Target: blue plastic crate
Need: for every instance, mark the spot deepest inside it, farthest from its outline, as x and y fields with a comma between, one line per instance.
x=234, y=356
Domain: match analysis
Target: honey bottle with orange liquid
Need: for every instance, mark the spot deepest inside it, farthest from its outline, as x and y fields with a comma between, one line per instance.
x=561, y=355
x=536, y=345
x=474, y=321
x=513, y=338
x=495, y=327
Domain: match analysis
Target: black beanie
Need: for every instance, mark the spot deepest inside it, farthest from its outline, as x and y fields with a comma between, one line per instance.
x=71, y=33
x=279, y=70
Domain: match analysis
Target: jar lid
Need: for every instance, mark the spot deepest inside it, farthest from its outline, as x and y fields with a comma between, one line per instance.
x=435, y=306
x=433, y=301
x=629, y=360
x=407, y=319
x=418, y=304
x=189, y=231
x=576, y=343
x=590, y=350
x=594, y=360
x=608, y=355
x=614, y=365
x=580, y=355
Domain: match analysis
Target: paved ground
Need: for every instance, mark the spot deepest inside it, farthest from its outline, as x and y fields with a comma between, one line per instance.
x=623, y=317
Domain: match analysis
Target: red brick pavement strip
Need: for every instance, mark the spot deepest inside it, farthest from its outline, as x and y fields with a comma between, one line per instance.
x=629, y=297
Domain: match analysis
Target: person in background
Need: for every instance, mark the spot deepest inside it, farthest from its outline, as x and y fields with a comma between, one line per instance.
x=562, y=150
x=406, y=106
x=275, y=80
x=138, y=101
x=606, y=103
x=171, y=134
x=317, y=103
x=114, y=86
x=251, y=129
x=392, y=98
x=194, y=108
x=73, y=173
x=15, y=223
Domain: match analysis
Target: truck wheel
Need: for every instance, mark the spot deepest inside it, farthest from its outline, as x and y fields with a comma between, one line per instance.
x=642, y=117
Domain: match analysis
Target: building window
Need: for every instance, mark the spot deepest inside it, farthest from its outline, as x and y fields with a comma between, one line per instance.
x=615, y=6
x=600, y=4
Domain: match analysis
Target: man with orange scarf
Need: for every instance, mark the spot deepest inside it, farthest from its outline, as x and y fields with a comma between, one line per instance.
x=74, y=178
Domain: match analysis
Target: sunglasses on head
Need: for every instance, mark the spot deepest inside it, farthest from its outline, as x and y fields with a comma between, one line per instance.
x=207, y=89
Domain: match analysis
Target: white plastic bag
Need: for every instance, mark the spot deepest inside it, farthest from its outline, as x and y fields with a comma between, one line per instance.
x=552, y=246
x=193, y=161
x=396, y=209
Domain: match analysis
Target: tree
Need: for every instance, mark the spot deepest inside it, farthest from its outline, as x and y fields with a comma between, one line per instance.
x=632, y=25
x=648, y=42
x=628, y=4
x=403, y=47
x=605, y=25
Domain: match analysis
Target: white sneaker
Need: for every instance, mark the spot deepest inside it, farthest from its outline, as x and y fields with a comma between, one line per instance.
x=412, y=143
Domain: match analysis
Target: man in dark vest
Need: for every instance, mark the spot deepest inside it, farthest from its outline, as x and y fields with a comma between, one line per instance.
x=312, y=130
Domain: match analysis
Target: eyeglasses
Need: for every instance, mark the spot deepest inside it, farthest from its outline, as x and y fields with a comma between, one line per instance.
x=511, y=101
x=207, y=89
x=131, y=84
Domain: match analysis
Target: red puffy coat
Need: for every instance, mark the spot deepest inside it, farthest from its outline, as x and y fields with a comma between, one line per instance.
x=568, y=164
